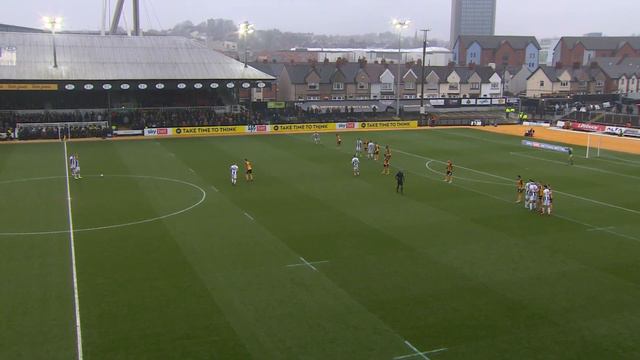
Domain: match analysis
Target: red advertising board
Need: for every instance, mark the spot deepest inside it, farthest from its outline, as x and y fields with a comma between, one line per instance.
x=587, y=127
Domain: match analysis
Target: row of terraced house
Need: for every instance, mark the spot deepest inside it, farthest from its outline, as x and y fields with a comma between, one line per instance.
x=363, y=81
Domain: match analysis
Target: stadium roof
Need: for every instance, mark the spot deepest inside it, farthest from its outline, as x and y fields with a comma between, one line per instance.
x=29, y=56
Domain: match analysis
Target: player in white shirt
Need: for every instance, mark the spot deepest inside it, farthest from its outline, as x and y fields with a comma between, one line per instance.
x=371, y=149
x=76, y=167
x=359, y=147
x=546, y=200
x=72, y=164
x=234, y=174
x=533, y=196
x=356, y=165
x=527, y=193
x=316, y=138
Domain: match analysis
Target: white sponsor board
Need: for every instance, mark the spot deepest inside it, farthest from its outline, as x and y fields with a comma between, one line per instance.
x=468, y=102
x=484, y=102
x=158, y=132
x=128, y=132
x=498, y=101
x=528, y=123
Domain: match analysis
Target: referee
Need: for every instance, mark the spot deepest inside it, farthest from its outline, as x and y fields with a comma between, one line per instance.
x=400, y=182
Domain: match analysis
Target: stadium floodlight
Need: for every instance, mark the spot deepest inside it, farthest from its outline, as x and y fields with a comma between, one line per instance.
x=53, y=24
x=399, y=24
x=245, y=30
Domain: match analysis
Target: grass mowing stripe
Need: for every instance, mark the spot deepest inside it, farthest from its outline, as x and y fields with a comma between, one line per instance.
x=505, y=178
x=76, y=300
x=576, y=166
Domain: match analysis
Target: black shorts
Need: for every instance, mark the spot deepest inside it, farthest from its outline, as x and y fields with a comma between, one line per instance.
x=520, y=191
x=449, y=173
x=250, y=171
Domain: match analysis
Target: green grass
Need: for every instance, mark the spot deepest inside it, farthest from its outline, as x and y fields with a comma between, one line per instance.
x=457, y=266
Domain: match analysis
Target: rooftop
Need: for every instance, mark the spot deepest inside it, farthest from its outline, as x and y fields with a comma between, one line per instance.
x=29, y=56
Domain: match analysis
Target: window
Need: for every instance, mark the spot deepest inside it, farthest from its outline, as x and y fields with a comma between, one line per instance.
x=363, y=86
x=454, y=86
x=338, y=86
x=541, y=83
x=337, y=98
x=532, y=65
x=472, y=55
x=313, y=97
x=314, y=86
x=475, y=86
x=409, y=85
x=495, y=86
x=409, y=96
x=599, y=83
x=564, y=83
x=387, y=87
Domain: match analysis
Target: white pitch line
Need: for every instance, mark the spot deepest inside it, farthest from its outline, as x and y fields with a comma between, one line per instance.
x=424, y=352
x=249, y=216
x=418, y=352
x=505, y=178
x=76, y=300
x=308, y=264
x=575, y=166
x=556, y=215
x=215, y=188
x=602, y=228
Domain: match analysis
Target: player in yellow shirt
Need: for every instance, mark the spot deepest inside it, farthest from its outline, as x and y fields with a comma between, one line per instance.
x=387, y=151
x=519, y=189
x=249, y=170
x=449, y=176
x=376, y=153
x=540, y=195
x=338, y=140
x=386, y=164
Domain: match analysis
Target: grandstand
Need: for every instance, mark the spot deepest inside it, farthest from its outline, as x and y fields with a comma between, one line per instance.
x=102, y=73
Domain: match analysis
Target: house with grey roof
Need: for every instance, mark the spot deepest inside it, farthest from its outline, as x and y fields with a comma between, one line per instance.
x=622, y=75
x=496, y=49
x=362, y=81
x=583, y=49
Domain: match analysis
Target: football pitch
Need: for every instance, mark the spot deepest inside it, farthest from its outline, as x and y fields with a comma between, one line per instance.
x=170, y=261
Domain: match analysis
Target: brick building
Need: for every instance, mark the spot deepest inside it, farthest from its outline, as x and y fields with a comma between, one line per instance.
x=500, y=50
x=582, y=50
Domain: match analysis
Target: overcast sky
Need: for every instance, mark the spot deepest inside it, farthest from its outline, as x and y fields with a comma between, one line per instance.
x=543, y=18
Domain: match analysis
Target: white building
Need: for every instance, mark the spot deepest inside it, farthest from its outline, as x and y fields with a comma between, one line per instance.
x=436, y=56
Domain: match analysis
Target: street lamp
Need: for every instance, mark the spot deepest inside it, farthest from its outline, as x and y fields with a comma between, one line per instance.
x=246, y=29
x=424, y=57
x=53, y=24
x=399, y=25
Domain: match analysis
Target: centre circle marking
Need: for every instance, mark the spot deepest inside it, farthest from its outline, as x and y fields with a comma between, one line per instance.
x=115, y=226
